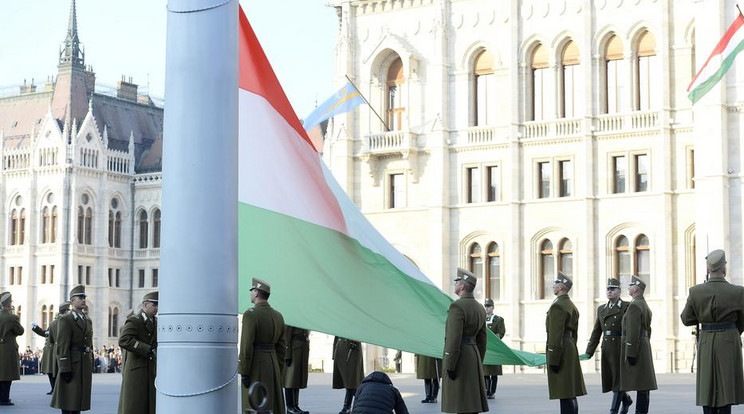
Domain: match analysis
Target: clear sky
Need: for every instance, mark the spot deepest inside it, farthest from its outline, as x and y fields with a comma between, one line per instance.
x=127, y=37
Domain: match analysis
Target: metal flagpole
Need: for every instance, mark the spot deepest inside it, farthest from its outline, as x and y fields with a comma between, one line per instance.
x=387, y=128
x=197, y=326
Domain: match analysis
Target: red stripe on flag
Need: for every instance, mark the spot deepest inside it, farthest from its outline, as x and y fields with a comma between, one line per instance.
x=735, y=26
x=257, y=76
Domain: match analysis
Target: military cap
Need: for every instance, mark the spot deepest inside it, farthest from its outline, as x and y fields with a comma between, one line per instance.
x=563, y=278
x=613, y=283
x=715, y=260
x=489, y=302
x=78, y=290
x=260, y=285
x=151, y=297
x=636, y=281
x=5, y=298
x=467, y=276
x=64, y=307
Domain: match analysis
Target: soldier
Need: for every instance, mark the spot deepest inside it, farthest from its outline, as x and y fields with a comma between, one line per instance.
x=295, y=367
x=565, y=379
x=10, y=328
x=140, y=338
x=429, y=369
x=348, y=368
x=719, y=307
x=496, y=324
x=636, y=361
x=608, y=326
x=73, y=344
x=463, y=390
x=48, y=356
x=262, y=347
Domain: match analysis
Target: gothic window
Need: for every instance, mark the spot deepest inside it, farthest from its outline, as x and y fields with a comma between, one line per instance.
x=643, y=258
x=22, y=228
x=88, y=225
x=43, y=316
x=565, y=257
x=547, y=270
x=394, y=108
x=45, y=223
x=114, y=322
x=14, y=227
x=647, y=69
x=114, y=224
x=494, y=272
x=571, y=77
x=156, y=229
x=476, y=260
x=484, y=103
x=53, y=227
x=143, y=230
x=538, y=79
x=622, y=260
x=615, y=76
x=81, y=225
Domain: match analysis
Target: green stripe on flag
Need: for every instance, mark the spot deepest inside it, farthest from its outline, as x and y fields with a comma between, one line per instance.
x=326, y=281
x=700, y=91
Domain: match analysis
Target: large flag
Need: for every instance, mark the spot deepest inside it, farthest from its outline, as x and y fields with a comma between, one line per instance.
x=329, y=269
x=344, y=100
x=719, y=61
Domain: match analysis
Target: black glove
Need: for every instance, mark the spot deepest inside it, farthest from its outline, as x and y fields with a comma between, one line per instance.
x=152, y=351
x=246, y=381
x=590, y=354
x=451, y=374
x=288, y=362
x=632, y=361
x=66, y=376
x=555, y=368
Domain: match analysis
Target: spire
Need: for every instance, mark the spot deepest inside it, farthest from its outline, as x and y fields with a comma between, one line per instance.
x=72, y=54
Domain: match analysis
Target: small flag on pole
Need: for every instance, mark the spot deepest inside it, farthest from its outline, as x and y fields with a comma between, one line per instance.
x=346, y=99
x=719, y=61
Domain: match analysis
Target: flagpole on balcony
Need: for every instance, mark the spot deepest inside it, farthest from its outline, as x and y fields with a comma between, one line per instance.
x=387, y=128
x=197, y=325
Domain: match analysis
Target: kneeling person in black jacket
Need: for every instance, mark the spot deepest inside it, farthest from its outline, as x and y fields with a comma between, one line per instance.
x=377, y=395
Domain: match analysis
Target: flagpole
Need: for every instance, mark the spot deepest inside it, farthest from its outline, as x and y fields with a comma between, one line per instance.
x=367, y=102
x=197, y=354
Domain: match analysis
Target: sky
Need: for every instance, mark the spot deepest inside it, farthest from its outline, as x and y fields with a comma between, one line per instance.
x=127, y=37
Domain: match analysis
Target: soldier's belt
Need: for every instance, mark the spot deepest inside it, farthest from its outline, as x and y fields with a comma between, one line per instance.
x=644, y=333
x=613, y=333
x=83, y=349
x=725, y=326
x=467, y=340
x=568, y=334
x=300, y=337
x=264, y=347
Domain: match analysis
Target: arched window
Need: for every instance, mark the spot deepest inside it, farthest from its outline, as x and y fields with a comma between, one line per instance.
x=547, y=270
x=156, y=229
x=81, y=226
x=117, y=229
x=114, y=322
x=114, y=224
x=50, y=316
x=571, y=78
x=53, y=227
x=643, y=258
x=43, y=316
x=394, y=108
x=45, y=224
x=476, y=260
x=494, y=272
x=538, y=80
x=14, y=228
x=88, y=226
x=22, y=228
x=615, y=76
x=648, y=72
x=565, y=260
x=143, y=230
x=111, y=229
x=484, y=103
x=622, y=261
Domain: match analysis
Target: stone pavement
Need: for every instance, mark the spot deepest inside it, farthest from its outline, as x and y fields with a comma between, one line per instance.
x=517, y=394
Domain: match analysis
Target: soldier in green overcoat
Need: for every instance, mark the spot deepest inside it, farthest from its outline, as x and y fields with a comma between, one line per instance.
x=565, y=379
x=10, y=329
x=608, y=327
x=48, y=357
x=64, y=309
x=140, y=339
x=719, y=307
x=636, y=359
x=296, y=361
x=262, y=348
x=73, y=344
x=463, y=389
x=429, y=369
x=348, y=369
x=491, y=372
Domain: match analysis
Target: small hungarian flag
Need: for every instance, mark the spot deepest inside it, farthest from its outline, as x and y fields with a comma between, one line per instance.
x=719, y=61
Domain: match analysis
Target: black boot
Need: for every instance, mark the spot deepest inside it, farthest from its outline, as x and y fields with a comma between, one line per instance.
x=427, y=389
x=724, y=410
x=617, y=398
x=494, y=383
x=627, y=401
x=347, y=401
x=434, y=390
x=642, y=402
x=289, y=397
x=297, y=402
x=567, y=406
x=575, y=405
x=487, y=383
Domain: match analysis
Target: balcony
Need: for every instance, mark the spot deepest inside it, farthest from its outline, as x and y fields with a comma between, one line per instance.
x=147, y=254
x=558, y=128
x=631, y=121
x=403, y=143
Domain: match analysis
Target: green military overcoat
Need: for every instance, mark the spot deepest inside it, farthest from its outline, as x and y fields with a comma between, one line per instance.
x=496, y=324
x=720, y=380
x=464, y=348
x=561, y=324
x=348, y=363
x=140, y=338
x=297, y=357
x=608, y=328
x=636, y=343
x=73, y=344
x=47, y=354
x=427, y=367
x=53, y=344
x=262, y=350
x=10, y=329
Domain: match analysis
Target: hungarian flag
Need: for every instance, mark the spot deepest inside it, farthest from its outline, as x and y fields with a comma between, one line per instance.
x=719, y=61
x=329, y=269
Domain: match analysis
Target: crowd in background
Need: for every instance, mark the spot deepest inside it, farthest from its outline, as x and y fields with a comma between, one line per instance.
x=106, y=360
